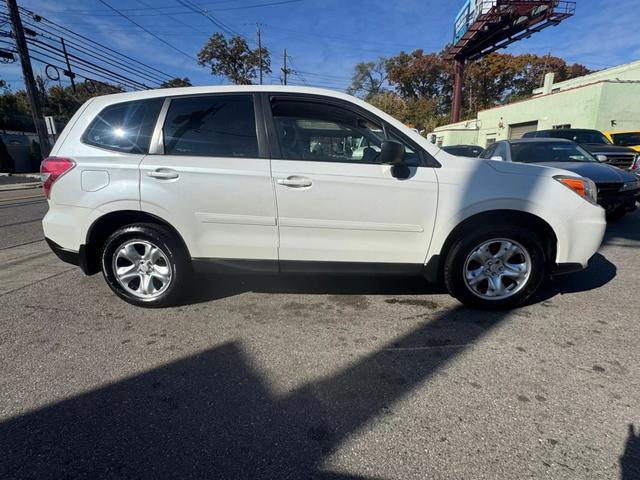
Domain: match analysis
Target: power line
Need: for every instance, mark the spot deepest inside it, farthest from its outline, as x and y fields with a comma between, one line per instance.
x=148, y=31
x=92, y=53
x=60, y=28
x=161, y=12
x=204, y=12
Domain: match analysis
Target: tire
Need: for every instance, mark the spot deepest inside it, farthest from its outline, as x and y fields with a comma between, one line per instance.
x=145, y=265
x=463, y=267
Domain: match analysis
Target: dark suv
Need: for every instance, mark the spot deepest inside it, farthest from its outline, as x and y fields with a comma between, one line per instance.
x=596, y=143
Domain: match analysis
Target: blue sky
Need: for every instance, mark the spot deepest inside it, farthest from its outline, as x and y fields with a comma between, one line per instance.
x=326, y=38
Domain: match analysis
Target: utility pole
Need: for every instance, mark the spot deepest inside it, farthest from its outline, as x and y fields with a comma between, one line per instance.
x=284, y=69
x=457, y=90
x=69, y=73
x=259, y=49
x=29, y=81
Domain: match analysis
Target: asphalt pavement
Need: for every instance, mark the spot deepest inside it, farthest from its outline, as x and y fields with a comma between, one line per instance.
x=314, y=377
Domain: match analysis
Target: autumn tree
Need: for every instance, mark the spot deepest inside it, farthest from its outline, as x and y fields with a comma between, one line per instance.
x=368, y=78
x=234, y=59
x=176, y=82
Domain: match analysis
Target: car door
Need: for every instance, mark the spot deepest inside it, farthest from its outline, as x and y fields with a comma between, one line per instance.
x=337, y=204
x=208, y=175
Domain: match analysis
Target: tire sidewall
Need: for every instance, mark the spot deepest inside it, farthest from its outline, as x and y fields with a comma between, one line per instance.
x=160, y=238
x=456, y=259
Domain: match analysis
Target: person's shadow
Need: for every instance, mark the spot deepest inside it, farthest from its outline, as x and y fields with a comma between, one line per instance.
x=630, y=459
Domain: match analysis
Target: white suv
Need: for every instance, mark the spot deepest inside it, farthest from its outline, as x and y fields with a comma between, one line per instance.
x=151, y=186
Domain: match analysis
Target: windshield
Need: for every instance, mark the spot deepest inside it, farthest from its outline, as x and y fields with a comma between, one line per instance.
x=581, y=136
x=549, y=152
x=630, y=139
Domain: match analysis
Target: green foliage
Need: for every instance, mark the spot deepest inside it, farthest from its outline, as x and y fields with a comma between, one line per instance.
x=423, y=83
x=368, y=79
x=234, y=59
x=176, y=82
x=57, y=101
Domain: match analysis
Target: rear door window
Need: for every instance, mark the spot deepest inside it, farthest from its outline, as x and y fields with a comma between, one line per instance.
x=124, y=127
x=211, y=126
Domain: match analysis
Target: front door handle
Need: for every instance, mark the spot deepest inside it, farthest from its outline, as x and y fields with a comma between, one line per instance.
x=163, y=174
x=295, y=182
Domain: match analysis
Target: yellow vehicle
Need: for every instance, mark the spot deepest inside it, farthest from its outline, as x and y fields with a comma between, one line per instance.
x=626, y=138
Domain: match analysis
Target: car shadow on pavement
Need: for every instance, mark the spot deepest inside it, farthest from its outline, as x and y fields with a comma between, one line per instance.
x=213, y=287
x=599, y=272
x=630, y=459
x=213, y=415
x=206, y=288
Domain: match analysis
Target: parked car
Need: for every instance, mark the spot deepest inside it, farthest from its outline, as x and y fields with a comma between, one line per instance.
x=596, y=143
x=618, y=190
x=464, y=150
x=629, y=138
x=148, y=186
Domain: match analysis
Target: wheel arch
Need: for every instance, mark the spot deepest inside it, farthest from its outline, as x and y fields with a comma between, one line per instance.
x=546, y=234
x=106, y=224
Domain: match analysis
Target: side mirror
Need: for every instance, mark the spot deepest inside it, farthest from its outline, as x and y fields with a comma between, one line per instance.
x=392, y=153
x=602, y=158
x=498, y=158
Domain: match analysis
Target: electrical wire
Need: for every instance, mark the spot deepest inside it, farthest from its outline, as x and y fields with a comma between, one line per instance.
x=148, y=31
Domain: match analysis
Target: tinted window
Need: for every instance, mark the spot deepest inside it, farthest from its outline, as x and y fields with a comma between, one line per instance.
x=314, y=131
x=630, y=139
x=464, y=151
x=501, y=150
x=580, y=136
x=549, y=152
x=488, y=153
x=211, y=126
x=125, y=127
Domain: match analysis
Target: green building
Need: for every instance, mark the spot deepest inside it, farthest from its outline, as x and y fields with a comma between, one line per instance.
x=605, y=100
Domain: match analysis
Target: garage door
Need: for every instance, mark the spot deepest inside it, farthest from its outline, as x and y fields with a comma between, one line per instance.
x=517, y=130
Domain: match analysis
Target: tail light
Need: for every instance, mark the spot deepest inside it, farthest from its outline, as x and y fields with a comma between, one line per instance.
x=51, y=169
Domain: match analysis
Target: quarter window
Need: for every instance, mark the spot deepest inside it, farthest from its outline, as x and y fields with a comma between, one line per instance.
x=211, y=126
x=326, y=133
x=124, y=127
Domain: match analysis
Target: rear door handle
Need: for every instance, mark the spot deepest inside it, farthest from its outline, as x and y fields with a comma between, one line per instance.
x=295, y=182
x=163, y=174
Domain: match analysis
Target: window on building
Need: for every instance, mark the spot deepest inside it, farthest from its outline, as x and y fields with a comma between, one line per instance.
x=211, y=126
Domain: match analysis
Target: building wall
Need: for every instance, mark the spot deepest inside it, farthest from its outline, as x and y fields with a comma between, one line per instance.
x=620, y=102
x=629, y=71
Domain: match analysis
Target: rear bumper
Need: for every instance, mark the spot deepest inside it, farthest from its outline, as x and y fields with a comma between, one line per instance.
x=566, y=268
x=72, y=257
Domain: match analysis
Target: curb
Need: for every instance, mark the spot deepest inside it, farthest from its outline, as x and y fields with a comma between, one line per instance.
x=20, y=186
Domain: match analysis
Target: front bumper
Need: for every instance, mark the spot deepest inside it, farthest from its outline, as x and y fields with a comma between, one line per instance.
x=624, y=200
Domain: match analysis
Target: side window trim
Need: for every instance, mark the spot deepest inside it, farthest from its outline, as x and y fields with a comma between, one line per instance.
x=157, y=140
x=426, y=160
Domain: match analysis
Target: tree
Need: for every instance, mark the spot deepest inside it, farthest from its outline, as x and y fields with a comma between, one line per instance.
x=234, y=59
x=176, y=82
x=368, y=78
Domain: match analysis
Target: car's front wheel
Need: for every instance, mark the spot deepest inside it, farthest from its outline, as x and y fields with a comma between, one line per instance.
x=495, y=267
x=145, y=265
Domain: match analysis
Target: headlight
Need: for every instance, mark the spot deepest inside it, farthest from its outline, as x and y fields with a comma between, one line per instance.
x=630, y=186
x=582, y=186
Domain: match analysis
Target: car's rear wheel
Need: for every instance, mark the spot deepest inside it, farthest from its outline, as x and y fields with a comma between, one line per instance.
x=145, y=265
x=495, y=267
